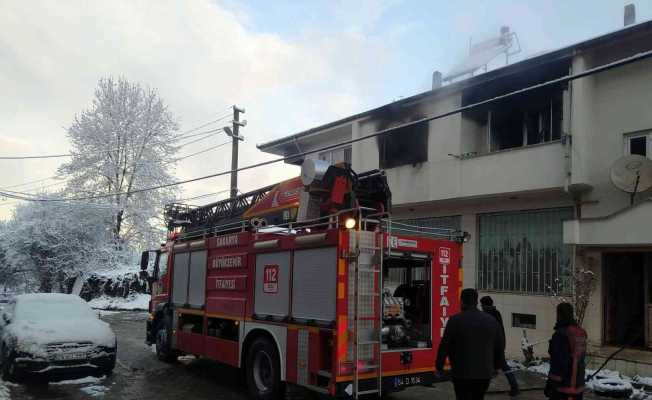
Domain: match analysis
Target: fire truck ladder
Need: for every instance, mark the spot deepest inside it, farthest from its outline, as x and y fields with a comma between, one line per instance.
x=367, y=311
x=202, y=218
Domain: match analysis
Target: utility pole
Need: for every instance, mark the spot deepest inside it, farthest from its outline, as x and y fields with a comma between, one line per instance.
x=235, y=135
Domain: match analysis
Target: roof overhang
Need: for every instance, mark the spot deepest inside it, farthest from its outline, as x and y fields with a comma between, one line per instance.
x=629, y=227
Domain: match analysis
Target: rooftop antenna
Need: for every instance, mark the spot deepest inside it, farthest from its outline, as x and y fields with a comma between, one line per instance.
x=482, y=53
x=632, y=174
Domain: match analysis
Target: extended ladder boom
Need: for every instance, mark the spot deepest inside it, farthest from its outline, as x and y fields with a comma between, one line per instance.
x=194, y=218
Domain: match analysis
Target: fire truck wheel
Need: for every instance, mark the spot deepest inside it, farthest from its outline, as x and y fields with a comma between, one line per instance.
x=263, y=370
x=163, y=349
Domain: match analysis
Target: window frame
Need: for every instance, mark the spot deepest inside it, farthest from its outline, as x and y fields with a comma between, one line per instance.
x=548, y=127
x=328, y=155
x=627, y=137
x=541, y=281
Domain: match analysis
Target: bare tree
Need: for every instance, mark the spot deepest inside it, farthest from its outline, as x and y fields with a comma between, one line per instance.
x=125, y=141
x=578, y=288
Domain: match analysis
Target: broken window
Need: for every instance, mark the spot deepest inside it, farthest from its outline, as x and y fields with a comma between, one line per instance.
x=525, y=120
x=403, y=146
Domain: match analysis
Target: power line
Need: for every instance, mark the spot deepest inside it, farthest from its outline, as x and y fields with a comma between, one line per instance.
x=29, y=183
x=44, y=156
x=202, y=196
x=175, y=160
x=202, y=151
x=27, y=192
x=387, y=131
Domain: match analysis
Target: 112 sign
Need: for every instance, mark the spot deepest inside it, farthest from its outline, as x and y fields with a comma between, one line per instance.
x=270, y=279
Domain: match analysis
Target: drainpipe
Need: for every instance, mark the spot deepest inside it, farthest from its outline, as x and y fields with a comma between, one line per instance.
x=566, y=137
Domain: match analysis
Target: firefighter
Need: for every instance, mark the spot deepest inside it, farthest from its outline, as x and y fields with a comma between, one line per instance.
x=473, y=343
x=487, y=304
x=567, y=351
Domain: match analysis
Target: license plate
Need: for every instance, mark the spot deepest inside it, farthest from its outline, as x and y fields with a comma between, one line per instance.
x=401, y=381
x=71, y=356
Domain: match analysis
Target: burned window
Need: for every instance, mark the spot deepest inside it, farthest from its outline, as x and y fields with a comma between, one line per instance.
x=403, y=146
x=529, y=118
x=526, y=120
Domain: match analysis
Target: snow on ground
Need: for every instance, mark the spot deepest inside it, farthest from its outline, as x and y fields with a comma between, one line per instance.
x=5, y=394
x=93, y=386
x=542, y=368
x=137, y=301
x=95, y=390
x=81, y=381
x=605, y=381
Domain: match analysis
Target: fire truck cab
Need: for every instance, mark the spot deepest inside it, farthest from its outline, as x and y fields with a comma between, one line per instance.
x=331, y=295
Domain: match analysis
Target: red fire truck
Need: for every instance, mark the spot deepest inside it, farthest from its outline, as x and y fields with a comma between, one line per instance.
x=307, y=282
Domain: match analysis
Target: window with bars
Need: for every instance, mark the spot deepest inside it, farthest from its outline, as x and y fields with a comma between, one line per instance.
x=433, y=227
x=523, y=252
x=335, y=156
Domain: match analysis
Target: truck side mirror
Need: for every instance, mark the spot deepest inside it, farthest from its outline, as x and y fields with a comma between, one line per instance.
x=6, y=318
x=144, y=260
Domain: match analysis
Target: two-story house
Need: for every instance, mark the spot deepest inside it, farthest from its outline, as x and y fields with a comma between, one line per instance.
x=528, y=177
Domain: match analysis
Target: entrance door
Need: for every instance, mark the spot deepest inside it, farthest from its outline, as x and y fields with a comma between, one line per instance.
x=628, y=297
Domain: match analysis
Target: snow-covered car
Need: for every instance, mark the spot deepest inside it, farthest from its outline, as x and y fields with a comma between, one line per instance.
x=54, y=336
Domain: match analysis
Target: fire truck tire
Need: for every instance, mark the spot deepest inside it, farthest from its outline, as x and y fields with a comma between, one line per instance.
x=164, y=350
x=263, y=370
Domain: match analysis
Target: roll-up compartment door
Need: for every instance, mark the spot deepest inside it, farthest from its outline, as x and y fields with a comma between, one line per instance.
x=314, y=279
x=272, y=284
x=197, y=279
x=180, y=279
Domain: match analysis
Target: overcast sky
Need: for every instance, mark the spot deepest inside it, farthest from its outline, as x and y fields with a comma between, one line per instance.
x=291, y=64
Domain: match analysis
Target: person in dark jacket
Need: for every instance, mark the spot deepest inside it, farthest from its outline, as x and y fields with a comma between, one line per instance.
x=487, y=304
x=567, y=351
x=473, y=343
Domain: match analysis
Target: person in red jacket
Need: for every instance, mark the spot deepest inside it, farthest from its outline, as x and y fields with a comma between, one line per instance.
x=567, y=351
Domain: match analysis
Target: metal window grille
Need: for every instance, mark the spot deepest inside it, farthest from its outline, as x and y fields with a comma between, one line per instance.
x=427, y=227
x=523, y=252
x=343, y=154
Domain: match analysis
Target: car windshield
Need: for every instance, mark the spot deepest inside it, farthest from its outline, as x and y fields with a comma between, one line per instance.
x=51, y=306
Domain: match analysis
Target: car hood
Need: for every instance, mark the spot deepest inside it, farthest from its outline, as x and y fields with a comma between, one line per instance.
x=32, y=336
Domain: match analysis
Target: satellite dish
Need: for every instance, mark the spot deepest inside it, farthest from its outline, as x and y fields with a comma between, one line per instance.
x=313, y=170
x=632, y=174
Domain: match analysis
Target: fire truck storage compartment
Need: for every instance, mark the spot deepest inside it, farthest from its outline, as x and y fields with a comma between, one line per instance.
x=314, y=277
x=189, y=282
x=272, y=293
x=407, y=313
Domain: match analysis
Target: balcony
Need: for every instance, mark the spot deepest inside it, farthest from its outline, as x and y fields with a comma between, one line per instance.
x=522, y=169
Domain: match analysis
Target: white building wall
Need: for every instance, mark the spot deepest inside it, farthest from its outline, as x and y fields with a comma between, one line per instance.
x=605, y=107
